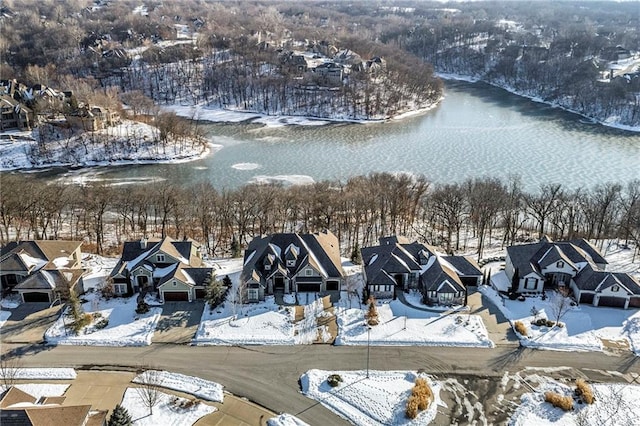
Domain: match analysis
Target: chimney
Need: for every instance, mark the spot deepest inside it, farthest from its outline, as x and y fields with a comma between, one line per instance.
x=143, y=243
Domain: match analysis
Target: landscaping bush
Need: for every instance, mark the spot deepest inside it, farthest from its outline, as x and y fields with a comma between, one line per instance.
x=423, y=392
x=521, y=298
x=372, y=313
x=412, y=407
x=142, y=308
x=584, y=391
x=549, y=323
x=541, y=322
x=334, y=380
x=520, y=328
x=563, y=402
x=103, y=323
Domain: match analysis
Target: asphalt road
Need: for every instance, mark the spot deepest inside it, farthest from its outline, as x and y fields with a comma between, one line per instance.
x=268, y=375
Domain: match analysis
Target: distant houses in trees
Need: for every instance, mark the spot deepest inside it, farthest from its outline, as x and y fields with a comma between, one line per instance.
x=395, y=265
x=576, y=266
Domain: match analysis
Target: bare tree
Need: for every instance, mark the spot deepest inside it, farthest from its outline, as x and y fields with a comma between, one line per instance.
x=10, y=370
x=149, y=382
x=559, y=304
x=541, y=205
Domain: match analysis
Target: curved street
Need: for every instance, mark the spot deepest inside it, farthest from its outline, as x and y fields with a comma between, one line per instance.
x=268, y=375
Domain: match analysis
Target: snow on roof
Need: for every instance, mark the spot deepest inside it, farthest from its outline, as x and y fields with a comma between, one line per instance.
x=430, y=262
x=188, y=277
x=31, y=261
x=276, y=250
x=402, y=262
x=373, y=259
x=50, y=280
x=445, y=263
x=313, y=257
x=61, y=262
x=163, y=272
x=253, y=253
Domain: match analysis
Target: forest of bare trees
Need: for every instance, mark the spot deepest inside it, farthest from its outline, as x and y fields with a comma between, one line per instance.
x=358, y=211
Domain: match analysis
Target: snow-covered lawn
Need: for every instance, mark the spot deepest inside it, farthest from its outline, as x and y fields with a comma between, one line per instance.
x=169, y=411
x=110, y=146
x=38, y=390
x=203, y=389
x=125, y=327
x=263, y=323
x=615, y=404
x=406, y=326
x=42, y=373
x=98, y=269
x=584, y=325
x=4, y=316
x=378, y=400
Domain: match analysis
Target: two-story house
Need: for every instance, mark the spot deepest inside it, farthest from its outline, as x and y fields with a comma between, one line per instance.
x=292, y=263
x=172, y=268
x=42, y=270
x=576, y=266
x=397, y=265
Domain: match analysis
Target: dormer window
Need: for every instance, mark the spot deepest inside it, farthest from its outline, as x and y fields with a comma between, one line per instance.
x=160, y=257
x=291, y=263
x=267, y=267
x=560, y=264
x=615, y=288
x=308, y=272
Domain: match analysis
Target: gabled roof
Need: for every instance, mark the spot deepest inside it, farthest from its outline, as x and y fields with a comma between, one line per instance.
x=463, y=265
x=50, y=280
x=438, y=277
x=36, y=254
x=13, y=395
x=136, y=253
x=320, y=250
x=391, y=257
x=74, y=415
x=532, y=257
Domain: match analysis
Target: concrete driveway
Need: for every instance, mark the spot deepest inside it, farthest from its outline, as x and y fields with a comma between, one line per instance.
x=28, y=322
x=179, y=322
x=498, y=326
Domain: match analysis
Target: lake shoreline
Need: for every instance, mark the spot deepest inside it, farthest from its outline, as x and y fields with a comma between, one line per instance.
x=591, y=120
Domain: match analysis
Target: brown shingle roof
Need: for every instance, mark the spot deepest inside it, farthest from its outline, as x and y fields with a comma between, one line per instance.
x=58, y=416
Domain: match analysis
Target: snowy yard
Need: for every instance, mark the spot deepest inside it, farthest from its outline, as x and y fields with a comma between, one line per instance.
x=615, y=405
x=403, y=325
x=378, y=400
x=200, y=388
x=170, y=410
x=41, y=373
x=125, y=327
x=263, y=323
x=584, y=326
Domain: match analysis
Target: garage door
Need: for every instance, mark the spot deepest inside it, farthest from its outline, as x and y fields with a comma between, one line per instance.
x=634, y=302
x=176, y=296
x=309, y=287
x=469, y=281
x=36, y=297
x=616, y=302
x=333, y=285
x=587, y=298
x=201, y=293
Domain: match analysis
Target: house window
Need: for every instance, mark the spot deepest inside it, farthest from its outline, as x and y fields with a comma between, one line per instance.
x=160, y=258
x=291, y=263
x=119, y=288
x=308, y=272
x=615, y=288
x=252, y=294
x=175, y=283
x=267, y=267
x=530, y=284
x=560, y=264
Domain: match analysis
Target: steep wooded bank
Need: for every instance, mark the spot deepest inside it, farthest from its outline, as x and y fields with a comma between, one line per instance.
x=358, y=211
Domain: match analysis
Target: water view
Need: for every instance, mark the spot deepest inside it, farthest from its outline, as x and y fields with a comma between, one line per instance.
x=478, y=130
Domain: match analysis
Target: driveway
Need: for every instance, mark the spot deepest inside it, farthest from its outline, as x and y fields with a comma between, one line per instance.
x=28, y=322
x=179, y=322
x=498, y=326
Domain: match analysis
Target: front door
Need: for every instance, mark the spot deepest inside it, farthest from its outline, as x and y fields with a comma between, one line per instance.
x=278, y=283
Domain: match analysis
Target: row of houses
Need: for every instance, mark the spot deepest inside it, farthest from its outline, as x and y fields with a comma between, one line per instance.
x=292, y=263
